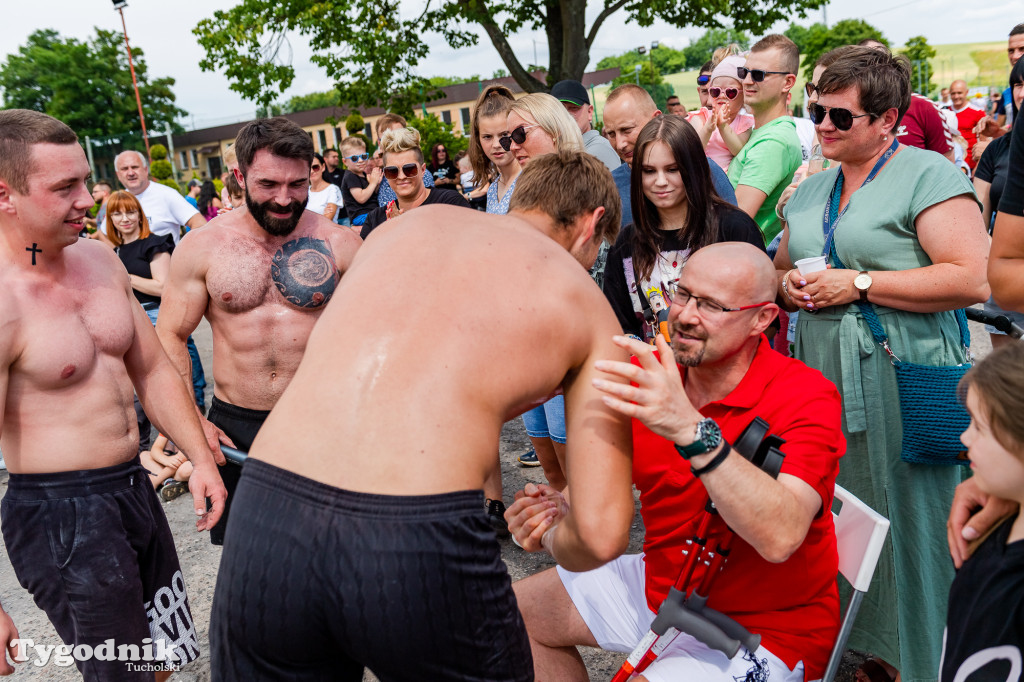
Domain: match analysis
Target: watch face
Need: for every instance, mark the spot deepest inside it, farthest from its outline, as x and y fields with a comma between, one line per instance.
x=862, y=281
x=709, y=433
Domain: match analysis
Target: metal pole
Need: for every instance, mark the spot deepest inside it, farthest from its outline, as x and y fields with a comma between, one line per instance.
x=135, y=84
x=170, y=151
x=88, y=153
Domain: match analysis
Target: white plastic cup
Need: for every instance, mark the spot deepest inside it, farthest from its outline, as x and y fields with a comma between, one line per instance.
x=808, y=265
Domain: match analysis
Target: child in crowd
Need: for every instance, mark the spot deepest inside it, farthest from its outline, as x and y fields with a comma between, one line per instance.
x=985, y=623
x=236, y=194
x=475, y=194
x=169, y=470
x=359, y=186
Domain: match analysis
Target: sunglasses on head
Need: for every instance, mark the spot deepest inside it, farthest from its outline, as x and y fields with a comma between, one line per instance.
x=756, y=75
x=357, y=157
x=518, y=136
x=731, y=93
x=703, y=79
x=810, y=88
x=841, y=118
x=410, y=170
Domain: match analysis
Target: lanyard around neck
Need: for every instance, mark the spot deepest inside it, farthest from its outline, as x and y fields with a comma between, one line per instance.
x=832, y=212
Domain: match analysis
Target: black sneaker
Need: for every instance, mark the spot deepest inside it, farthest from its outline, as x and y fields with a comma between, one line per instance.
x=529, y=459
x=496, y=515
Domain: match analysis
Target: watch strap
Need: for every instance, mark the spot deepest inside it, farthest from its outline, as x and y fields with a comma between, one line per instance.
x=863, y=292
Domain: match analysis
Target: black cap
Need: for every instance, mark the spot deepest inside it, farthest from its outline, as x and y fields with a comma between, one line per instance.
x=572, y=92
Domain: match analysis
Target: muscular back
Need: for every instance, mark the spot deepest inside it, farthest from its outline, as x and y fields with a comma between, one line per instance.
x=68, y=398
x=261, y=294
x=448, y=324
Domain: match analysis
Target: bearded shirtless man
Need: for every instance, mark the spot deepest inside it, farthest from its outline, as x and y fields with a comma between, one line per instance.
x=359, y=514
x=83, y=526
x=262, y=278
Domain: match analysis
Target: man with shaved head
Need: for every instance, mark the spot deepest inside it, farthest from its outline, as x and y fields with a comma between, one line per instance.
x=966, y=118
x=626, y=111
x=688, y=403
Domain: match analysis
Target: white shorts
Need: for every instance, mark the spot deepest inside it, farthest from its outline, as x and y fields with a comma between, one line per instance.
x=612, y=602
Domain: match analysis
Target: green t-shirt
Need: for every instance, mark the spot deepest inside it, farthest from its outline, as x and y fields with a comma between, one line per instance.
x=767, y=162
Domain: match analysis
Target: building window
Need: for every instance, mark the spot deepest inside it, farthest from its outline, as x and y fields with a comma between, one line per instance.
x=337, y=136
x=322, y=134
x=184, y=159
x=368, y=130
x=446, y=116
x=195, y=158
x=464, y=111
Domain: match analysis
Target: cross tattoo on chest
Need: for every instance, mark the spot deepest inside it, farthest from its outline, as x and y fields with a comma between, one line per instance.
x=34, y=249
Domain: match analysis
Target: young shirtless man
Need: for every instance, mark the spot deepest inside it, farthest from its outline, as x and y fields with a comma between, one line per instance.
x=360, y=512
x=262, y=277
x=82, y=525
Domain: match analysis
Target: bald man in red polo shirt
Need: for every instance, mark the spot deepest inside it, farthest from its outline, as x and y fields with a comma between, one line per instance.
x=780, y=579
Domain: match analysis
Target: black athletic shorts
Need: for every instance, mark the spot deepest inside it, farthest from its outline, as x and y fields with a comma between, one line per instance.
x=95, y=551
x=241, y=426
x=317, y=582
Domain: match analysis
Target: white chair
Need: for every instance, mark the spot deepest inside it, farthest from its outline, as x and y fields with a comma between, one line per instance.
x=860, y=532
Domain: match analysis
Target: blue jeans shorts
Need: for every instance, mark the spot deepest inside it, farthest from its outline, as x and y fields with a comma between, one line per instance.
x=547, y=420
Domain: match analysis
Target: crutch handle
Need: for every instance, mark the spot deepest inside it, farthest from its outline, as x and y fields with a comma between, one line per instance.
x=234, y=455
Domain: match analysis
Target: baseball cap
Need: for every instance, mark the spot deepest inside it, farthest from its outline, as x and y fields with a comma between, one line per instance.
x=570, y=91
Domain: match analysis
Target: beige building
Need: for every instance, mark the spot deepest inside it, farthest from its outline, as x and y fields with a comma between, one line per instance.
x=200, y=152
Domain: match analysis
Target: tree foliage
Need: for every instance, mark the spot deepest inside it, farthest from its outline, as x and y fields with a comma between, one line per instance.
x=650, y=80
x=373, y=51
x=818, y=39
x=313, y=100
x=433, y=130
x=700, y=50
x=87, y=85
x=354, y=123
x=918, y=51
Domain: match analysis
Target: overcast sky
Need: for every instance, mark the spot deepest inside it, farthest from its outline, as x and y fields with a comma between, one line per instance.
x=163, y=30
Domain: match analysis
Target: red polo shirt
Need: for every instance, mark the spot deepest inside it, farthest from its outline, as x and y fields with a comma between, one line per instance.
x=794, y=605
x=966, y=119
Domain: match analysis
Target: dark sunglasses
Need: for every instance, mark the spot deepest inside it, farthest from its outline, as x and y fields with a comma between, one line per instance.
x=518, y=136
x=410, y=170
x=756, y=75
x=315, y=166
x=357, y=157
x=703, y=79
x=810, y=88
x=731, y=93
x=841, y=118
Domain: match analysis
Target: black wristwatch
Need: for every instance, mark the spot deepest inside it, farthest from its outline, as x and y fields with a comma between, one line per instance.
x=707, y=438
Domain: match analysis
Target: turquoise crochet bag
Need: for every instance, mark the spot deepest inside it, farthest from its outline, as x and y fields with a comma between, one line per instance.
x=933, y=416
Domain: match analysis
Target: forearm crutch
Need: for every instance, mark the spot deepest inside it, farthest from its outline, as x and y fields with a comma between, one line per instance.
x=690, y=614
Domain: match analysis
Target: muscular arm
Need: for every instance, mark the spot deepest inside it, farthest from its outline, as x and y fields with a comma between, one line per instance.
x=168, y=402
x=749, y=199
x=182, y=304
x=597, y=528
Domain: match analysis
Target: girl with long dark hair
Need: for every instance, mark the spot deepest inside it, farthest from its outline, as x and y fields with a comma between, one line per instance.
x=675, y=212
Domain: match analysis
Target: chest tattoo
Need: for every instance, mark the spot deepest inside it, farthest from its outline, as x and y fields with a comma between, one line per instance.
x=304, y=272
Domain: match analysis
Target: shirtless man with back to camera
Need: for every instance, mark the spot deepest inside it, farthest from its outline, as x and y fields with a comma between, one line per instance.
x=370, y=468
x=262, y=278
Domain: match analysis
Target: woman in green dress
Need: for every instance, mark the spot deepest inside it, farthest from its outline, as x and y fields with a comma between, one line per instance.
x=906, y=235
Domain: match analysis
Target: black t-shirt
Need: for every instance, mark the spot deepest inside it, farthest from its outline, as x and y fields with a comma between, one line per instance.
x=992, y=168
x=446, y=171
x=438, y=195
x=1012, y=201
x=353, y=207
x=620, y=281
x=336, y=176
x=985, y=621
x=137, y=256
